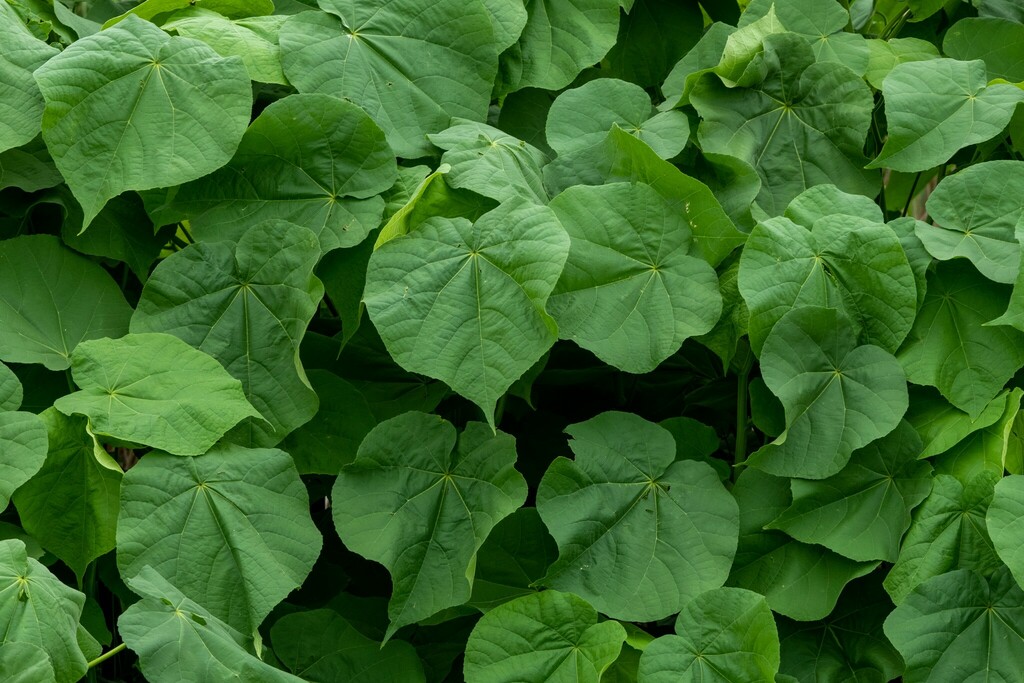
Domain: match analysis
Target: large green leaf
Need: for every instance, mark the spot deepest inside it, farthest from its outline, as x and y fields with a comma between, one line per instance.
x=323, y=647
x=582, y=117
x=37, y=609
x=951, y=348
x=1005, y=521
x=800, y=581
x=253, y=39
x=132, y=108
x=247, y=305
x=638, y=532
x=848, y=645
x=21, y=105
x=948, y=532
x=411, y=64
x=998, y=42
x=844, y=261
x=863, y=511
x=70, y=505
x=723, y=635
x=314, y=160
x=23, y=444
x=995, y=447
x=464, y=302
x=491, y=162
x=937, y=107
x=178, y=640
x=625, y=158
x=838, y=396
x=561, y=38
x=978, y=213
x=630, y=292
x=51, y=299
x=804, y=124
x=421, y=502
x=548, y=636
x=961, y=627
x=156, y=390
x=515, y=556
x=230, y=529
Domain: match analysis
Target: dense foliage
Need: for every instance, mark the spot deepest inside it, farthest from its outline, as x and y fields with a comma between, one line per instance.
x=511, y=341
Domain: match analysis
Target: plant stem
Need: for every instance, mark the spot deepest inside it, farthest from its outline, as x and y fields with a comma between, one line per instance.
x=910, y=197
x=743, y=380
x=106, y=655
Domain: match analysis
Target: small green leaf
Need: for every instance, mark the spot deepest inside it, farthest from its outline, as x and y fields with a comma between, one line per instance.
x=37, y=609
x=322, y=646
x=997, y=42
x=421, y=502
x=230, y=529
x=838, y=396
x=1005, y=520
x=937, y=107
x=51, y=299
x=11, y=391
x=638, y=531
x=961, y=626
x=630, y=292
x=253, y=39
x=548, y=636
x=21, y=104
x=723, y=635
x=154, y=389
x=464, y=302
x=132, y=108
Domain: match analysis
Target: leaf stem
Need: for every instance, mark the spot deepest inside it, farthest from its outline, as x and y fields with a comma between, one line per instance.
x=910, y=197
x=106, y=655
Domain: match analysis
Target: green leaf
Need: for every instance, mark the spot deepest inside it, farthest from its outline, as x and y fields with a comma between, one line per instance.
x=252, y=39
x=464, y=302
x=630, y=292
x=994, y=448
x=491, y=162
x=638, y=532
x=515, y=556
x=549, y=636
x=724, y=337
x=561, y=38
x=70, y=504
x=421, y=502
x=220, y=296
x=937, y=107
x=25, y=663
x=948, y=532
x=177, y=640
x=624, y=158
x=330, y=440
x=725, y=634
x=322, y=646
x=37, y=609
x=156, y=390
x=1005, y=519
x=11, y=391
x=314, y=160
x=653, y=36
x=961, y=627
x=838, y=396
x=844, y=262
x=997, y=42
x=951, y=348
x=155, y=9
x=28, y=168
x=804, y=124
x=51, y=299
x=941, y=425
x=702, y=57
x=230, y=529
x=23, y=444
x=411, y=64
x=848, y=645
x=885, y=55
x=132, y=108
x=978, y=213
x=582, y=117
x=21, y=104
x=800, y=581
x=863, y=511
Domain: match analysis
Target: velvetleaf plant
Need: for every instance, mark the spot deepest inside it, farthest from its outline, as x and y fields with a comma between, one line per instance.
x=509, y=341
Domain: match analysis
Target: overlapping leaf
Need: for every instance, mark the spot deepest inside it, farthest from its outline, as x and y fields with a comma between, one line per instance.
x=21, y=104
x=229, y=529
x=638, y=532
x=410, y=469
x=247, y=305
